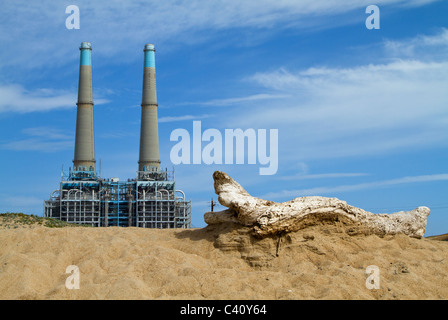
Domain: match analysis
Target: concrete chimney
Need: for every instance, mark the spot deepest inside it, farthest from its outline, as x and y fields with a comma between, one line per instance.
x=84, y=159
x=149, y=136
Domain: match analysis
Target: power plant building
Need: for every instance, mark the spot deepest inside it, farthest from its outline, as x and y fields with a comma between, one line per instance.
x=150, y=200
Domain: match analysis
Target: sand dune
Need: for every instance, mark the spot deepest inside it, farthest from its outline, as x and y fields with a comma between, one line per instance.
x=221, y=262
x=441, y=237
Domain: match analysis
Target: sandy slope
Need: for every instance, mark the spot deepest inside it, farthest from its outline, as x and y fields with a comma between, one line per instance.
x=225, y=262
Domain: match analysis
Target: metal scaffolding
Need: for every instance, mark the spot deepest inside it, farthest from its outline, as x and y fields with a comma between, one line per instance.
x=150, y=201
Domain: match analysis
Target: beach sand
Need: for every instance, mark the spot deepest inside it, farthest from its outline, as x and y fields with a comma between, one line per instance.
x=219, y=262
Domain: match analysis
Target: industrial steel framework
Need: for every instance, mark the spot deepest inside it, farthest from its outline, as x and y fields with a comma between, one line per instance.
x=84, y=198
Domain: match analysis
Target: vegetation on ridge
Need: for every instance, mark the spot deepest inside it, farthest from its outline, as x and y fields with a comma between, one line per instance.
x=14, y=220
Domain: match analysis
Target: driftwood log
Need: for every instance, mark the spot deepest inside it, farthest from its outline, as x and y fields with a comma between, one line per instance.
x=270, y=218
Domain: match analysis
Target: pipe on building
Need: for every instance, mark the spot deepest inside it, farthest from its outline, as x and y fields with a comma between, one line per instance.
x=106, y=209
x=183, y=194
x=130, y=198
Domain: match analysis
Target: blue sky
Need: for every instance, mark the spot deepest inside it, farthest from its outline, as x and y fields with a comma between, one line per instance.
x=362, y=115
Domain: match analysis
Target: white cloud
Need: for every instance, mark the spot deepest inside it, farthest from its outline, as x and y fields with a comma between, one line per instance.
x=302, y=173
x=15, y=98
x=354, y=111
x=321, y=176
x=419, y=47
x=290, y=194
x=42, y=139
x=37, y=145
x=250, y=98
x=182, y=118
x=167, y=23
x=396, y=104
x=46, y=132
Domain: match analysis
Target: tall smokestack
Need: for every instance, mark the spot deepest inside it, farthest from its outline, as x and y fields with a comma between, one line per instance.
x=149, y=136
x=84, y=159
